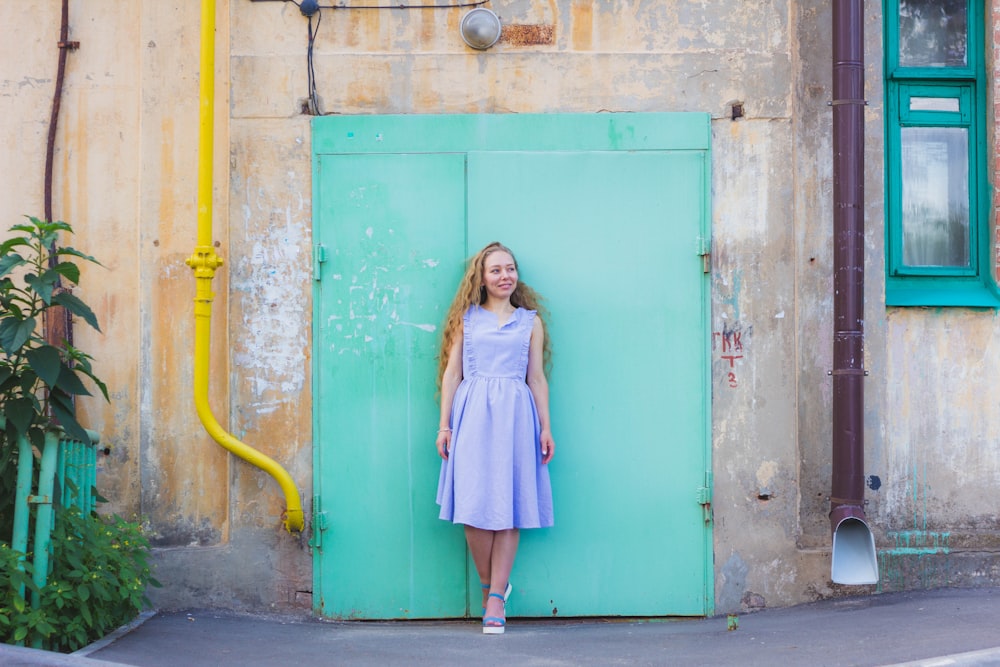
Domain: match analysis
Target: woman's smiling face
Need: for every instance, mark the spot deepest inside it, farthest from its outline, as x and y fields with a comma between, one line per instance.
x=499, y=275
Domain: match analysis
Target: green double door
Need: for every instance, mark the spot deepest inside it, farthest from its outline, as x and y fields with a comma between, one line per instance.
x=608, y=216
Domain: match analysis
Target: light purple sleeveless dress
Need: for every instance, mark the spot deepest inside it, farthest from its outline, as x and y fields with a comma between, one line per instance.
x=494, y=478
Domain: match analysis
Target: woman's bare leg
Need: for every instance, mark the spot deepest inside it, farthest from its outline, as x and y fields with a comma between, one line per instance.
x=504, y=550
x=493, y=552
x=481, y=546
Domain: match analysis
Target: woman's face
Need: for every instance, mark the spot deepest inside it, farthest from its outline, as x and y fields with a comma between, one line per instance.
x=499, y=275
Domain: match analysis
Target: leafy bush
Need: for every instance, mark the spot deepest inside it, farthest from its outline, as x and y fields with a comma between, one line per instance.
x=18, y=620
x=99, y=565
x=38, y=379
x=30, y=364
x=100, y=571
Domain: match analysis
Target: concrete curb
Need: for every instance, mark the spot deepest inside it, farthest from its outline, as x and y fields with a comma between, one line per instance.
x=115, y=636
x=20, y=656
x=988, y=656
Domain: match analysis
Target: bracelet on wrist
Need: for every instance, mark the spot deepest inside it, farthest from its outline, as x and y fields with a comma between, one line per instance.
x=443, y=430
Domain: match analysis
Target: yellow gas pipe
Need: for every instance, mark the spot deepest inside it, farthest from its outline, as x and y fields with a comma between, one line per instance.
x=204, y=261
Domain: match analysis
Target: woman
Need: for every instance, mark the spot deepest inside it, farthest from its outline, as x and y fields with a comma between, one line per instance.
x=495, y=436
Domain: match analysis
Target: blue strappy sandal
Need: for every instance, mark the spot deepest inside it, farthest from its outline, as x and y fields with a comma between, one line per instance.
x=498, y=623
x=506, y=593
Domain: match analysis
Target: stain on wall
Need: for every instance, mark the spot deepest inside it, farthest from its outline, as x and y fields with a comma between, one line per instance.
x=527, y=35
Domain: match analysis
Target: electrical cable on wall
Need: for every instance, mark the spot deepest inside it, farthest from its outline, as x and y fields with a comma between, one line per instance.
x=314, y=108
x=310, y=8
x=455, y=5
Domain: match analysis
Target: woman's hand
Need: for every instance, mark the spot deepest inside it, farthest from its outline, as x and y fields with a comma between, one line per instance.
x=444, y=442
x=548, y=445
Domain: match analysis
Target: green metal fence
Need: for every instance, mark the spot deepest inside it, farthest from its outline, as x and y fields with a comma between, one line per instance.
x=66, y=477
x=76, y=472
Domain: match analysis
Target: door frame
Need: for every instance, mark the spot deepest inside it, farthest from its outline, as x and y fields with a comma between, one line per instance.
x=465, y=133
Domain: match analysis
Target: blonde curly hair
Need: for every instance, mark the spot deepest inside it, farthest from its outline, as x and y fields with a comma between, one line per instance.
x=472, y=292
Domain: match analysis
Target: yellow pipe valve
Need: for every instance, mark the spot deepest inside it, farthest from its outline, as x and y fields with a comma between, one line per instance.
x=204, y=261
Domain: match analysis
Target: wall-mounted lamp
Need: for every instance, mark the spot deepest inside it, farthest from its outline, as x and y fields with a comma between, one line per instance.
x=480, y=28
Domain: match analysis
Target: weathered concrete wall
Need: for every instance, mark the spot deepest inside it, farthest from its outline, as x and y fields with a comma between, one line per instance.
x=942, y=458
x=125, y=178
x=218, y=521
x=126, y=168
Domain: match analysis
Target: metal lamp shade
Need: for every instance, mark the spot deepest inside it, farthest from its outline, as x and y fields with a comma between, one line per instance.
x=480, y=28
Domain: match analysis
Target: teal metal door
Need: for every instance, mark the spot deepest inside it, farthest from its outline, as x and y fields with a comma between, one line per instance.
x=608, y=216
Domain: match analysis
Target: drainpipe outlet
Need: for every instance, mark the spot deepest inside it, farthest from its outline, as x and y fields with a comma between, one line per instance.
x=854, y=562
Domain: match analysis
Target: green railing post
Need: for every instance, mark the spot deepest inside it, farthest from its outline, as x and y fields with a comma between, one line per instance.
x=44, y=514
x=62, y=460
x=22, y=510
x=44, y=517
x=91, y=456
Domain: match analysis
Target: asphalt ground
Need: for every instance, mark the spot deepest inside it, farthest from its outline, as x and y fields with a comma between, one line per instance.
x=928, y=628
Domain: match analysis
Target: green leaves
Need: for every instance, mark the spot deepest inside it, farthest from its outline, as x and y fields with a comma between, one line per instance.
x=46, y=362
x=100, y=572
x=43, y=285
x=17, y=619
x=76, y=253
x=69, y=271
x=62, y=407
x=39, y=379
x=77, y=307
x=15, y=332
x=20, y=412
x=9, y=262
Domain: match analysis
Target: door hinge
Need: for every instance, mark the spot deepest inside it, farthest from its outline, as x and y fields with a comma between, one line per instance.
x=705, y=252
x=704, y=496
x=319, y=256
x=319, y=524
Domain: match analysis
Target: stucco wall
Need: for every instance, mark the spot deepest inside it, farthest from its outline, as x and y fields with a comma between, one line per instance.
x=126, y=177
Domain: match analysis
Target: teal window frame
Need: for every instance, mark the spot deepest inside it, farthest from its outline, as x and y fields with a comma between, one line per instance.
x=972, y=285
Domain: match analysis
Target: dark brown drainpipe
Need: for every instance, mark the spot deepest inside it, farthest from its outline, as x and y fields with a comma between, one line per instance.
x=58, y=325
x=853, y=559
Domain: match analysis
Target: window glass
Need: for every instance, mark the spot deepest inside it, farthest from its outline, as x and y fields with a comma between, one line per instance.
x=935, y=104
x=935, y=175
x=933, y=33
